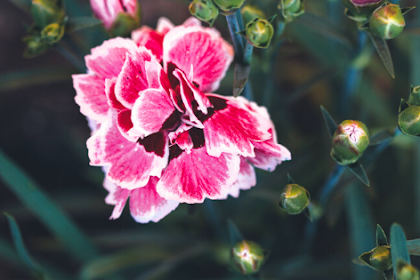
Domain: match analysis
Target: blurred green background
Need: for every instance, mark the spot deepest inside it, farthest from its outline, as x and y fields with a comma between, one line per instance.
x=43, y=132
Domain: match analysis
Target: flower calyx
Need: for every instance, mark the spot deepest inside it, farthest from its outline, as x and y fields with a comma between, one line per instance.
x=379, y=258
x=247, y=257
x=387, y=21
x=204, y=10
x=291, y=9
x=294, y=199
x=228, y=7
x=409, y=113
x=250, y=13
x=259, y=32
x=360, y=10
x=407, y=271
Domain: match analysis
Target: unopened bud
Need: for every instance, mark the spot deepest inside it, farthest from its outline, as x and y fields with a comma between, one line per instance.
x=250, y=13
x=380, y=258
x=34, y=46
x=414, y=98
x=349, y=142
x=294, y=199
x=291, y=9
x=229, y=6
x=409, y=120
x=387, y=21
x=204, y=10
x=360, y=10
x=45, y=12
x=246, y=257
x=259, y=32
x=407, y=272
x=52, y=33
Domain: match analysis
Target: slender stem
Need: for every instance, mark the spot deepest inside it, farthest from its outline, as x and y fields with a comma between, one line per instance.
x=65, y=51
x=248, y=53
x=236, y=38
x=330, y=184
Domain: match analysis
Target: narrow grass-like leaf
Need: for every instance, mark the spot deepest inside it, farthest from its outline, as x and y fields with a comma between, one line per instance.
x=382, y=136
x=403, y=105
x=380, y=236
x=413, y=247
x=389, y=274
x=79, y=23
x=241, y=75
x=383, y=51
x=329, y=121
x=234, y=234
x=358, y=170
x=398, y=246
x=50, y=214
x=406, y=10
x=290, y=179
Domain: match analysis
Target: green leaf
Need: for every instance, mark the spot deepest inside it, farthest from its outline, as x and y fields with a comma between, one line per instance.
x=406, y=10
x=329, y=122
x=24, y=5
x=20, y=245
x=358, y=170
x=380, y=236
x=50, y=214
x=403, y=105
x=383, y=51
x=241, y=75
x=79, y=23
x=234, y=234
x=398, y=246
x=413, y=247
x=382, y=136
x=290, y=179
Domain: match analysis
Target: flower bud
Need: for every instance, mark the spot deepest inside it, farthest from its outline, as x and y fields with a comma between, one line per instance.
x=34, y=46
x=291, y=9
x=119, y=17
x=294, y=199
x=387, y=21
x=380, y=258
x=45, y=12
x=259, y=32
x=414, y=98
x=52, y=33
x=409, y=120
x=250, y=13
x=204, y=10
x=407, y=272
x=360, y=10
x=246, y=257
x=229, y=6
x=349, y=142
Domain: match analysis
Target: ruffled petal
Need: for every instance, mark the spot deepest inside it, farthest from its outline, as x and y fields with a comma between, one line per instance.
x=133, y=77
x=90, y=96
x=192, y=177
x=131, y=163
x=231, y=127
x=106, y=10
x=150, y=111
x=150, y=39
x=108, y=59
x=147, y=205
x=203, y=49
x=116, y=196
x=245, y=180
x=164, y=25
x=182, y=138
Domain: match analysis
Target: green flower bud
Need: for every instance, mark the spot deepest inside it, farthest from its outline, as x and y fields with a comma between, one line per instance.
x=291, y=9
x=294, y=199
x=387, y=21
x=229, y=6
x=204, y=10
x=414, y=98
x=407, y=272
x=409, y=120
x=360, y=10
x=124, y=24
x=247, y=257
x=349, y=142
x=52, y=33
x=34, y=46
x=380, y=258
x=45, y=12
x=250, y=13
x=259, y=32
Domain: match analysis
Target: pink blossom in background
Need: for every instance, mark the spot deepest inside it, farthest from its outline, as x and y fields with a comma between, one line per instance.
x=108, y=10
x=160, y=134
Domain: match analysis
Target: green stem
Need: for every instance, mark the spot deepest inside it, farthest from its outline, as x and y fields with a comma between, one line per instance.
x=233, y=26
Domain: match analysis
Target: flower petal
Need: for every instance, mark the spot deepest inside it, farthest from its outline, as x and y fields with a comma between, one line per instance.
x=232, y=126
x=147, y=205
x=164, y=25
x=116, y=196
x=245, y=180
x=133, y=78
x=192, y=177
x=131, y=163
x=182, y=138
x=268, y=154
x=150, y=39
x=90, y=96
x=106, y=10
x=108, y=59
x=204, y=49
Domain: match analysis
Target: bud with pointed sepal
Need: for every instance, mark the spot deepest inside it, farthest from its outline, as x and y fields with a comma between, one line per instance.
x=407, y=271
x=350, y=140
x=247, y=257
x=294, y=199
x=409, y=119
x=229, y=6
x=250, y=13
x=291, y=9
x=387, y=21
x=204, y=10
x=119, y=17
x=45, y=12
x=259, y=33
x=52, y=33
x=360, y=10
x=414, y=98
x=34, y=46
x=378, y=258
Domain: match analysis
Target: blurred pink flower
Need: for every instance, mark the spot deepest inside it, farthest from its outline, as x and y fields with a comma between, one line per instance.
x=108, y=10
x=161, y=136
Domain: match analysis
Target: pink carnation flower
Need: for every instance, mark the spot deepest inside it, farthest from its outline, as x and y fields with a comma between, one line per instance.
x=162, y=138
x=108, y=10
